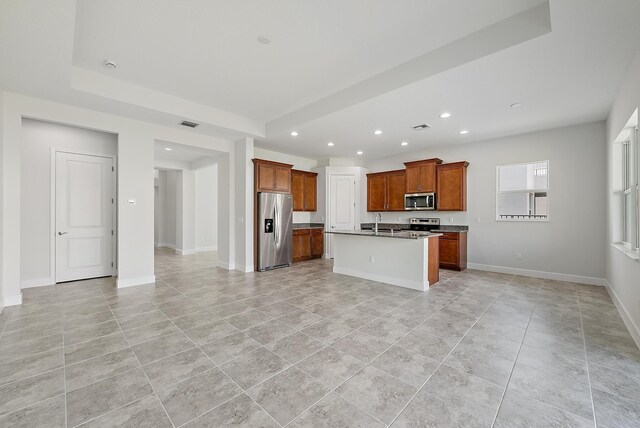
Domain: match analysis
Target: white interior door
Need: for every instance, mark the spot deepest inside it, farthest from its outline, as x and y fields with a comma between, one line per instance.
x=343, y=205
x=84, y=223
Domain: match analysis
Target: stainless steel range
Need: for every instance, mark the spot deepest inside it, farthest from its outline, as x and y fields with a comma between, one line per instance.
x=424, y=224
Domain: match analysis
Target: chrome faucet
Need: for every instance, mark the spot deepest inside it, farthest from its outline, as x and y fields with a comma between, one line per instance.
x=378, y=218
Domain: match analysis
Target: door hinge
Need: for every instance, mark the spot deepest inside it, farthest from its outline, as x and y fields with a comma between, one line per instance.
x=111, y=264
x=111, y=200
x=113, y=169
x=112, y=233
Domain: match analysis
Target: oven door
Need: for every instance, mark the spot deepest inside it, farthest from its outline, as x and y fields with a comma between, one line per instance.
x=419, y=201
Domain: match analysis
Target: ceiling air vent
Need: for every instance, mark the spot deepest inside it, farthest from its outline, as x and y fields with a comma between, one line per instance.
x=188, y=124
x=421, y=127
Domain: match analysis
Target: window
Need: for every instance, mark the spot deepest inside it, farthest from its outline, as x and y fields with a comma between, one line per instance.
x=626, y=192
x=523, y=192
x=630, y=190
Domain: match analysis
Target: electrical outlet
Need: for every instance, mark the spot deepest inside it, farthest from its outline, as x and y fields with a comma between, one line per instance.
x=451, y=220
x=477, y=219
x=371, y=259
x=519, y=256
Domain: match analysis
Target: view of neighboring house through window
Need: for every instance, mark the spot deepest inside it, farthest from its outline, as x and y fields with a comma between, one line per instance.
x=523, y=192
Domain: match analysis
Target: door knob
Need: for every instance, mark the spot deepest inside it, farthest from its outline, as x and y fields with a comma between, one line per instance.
x=62, y=233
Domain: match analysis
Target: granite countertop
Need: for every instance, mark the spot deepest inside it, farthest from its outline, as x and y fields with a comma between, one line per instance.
x=308, y=225
x=405, y=226
x=405, y=234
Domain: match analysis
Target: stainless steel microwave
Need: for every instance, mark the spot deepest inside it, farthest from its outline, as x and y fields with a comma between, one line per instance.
x=419, y=201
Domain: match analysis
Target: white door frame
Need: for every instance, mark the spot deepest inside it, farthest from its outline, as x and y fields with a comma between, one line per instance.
x=52, y=208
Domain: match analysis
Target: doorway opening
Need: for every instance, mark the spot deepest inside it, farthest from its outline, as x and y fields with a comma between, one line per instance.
x=68, y=227
x=185, y=199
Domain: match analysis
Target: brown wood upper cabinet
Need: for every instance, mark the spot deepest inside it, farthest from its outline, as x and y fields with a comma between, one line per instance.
x=421, y=176
x=385, y=191
x=303, y=185
x=451, y=193
x=272, y=176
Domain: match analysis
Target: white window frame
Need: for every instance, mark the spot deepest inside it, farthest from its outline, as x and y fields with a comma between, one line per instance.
x=524, y=218
x=630, y=185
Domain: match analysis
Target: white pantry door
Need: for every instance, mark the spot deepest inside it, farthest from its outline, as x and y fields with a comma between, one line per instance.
x=343, y=205
x=84, y=192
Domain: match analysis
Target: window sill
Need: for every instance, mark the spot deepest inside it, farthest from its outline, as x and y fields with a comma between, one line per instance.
x=632, y=254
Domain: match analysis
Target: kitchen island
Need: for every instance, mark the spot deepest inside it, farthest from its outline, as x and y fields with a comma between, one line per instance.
x=406, y=258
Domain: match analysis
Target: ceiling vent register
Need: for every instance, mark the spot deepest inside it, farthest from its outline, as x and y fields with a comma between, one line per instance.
x=188, y=124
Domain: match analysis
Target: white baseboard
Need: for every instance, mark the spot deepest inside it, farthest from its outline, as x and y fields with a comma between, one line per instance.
x=131, y=282
x=13, y=300
x=184, y=252
x=414, y=285
x=243, y=268
x=160, y=244
x=38, y=282
x=539, y=274
x=225, y=265
x=631, y=325
x=203, y=249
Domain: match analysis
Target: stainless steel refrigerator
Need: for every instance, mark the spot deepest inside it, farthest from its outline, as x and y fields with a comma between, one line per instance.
x=275, y=227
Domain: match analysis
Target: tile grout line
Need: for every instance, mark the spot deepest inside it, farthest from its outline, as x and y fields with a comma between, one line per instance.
x=448, y=354
x=214, y=367
x=515, y=361
x=586, y=359
x=141, y=368
x=369, y=363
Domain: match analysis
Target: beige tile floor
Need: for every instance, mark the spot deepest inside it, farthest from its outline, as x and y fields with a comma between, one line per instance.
x=306, y=347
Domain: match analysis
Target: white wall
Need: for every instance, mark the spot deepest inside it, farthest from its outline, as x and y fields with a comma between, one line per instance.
x=135, y=181
x=571, y=244
x=38, y=140
x=160, y=189
x=2, y=281
x=623, y=273
x=207, y=208
x=244, y=200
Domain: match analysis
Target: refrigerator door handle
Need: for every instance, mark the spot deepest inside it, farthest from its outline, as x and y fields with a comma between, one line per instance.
x=276, y=225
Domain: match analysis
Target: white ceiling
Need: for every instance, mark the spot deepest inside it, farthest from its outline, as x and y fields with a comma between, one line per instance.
x=199, y=60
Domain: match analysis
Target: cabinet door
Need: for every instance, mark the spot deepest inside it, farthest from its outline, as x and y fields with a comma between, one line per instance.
x=282, y=179
x=448, y=253
x=317, y=243
x=297, y=189
x=395, y=191
x=376, y=193
x=310, y=182
x=305, y=246
x=412, y=179
x=427, y=177
x=452, y=187
x=266, y=177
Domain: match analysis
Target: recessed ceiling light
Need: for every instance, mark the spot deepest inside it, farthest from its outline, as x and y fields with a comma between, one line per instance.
x=110, y=64
x=378, y=132
x=464, y=131
x=168, y=149
x=445, y=115
x=264, y=40
x=330, y=144
x=404, y=143
x=516, y=105
x=359, y=152
x=294, y=134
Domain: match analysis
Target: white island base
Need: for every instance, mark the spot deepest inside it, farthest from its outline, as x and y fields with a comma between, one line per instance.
x=408, y=262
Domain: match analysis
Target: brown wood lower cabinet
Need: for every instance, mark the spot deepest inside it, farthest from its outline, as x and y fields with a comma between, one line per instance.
x=307, y=244
x=453, y=250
